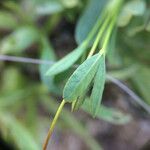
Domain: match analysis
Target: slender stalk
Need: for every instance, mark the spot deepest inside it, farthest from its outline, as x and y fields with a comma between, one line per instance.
x=53, y=124
x=99, y=35
x=107, y=37
x=110, y=29
x=96, y=26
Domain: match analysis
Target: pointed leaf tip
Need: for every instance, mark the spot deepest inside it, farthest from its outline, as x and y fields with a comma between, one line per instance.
x=67, y=61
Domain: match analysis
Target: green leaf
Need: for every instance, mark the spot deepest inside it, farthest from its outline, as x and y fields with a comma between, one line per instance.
x=70, y=3
x=18, y=133
x=142, y=82
x=81, y=78
x=113, y=115
x=107, y=114
x=87, y=20
x=48, y=7
x=130, y=9
x=48, y=54
x=7, y=20
x=13, y=98
x=114, y=59
x=98, y=87
x=67, y=62
x=136, y=7
x=78, y=103
x=12, y=79
x=124, y=73
x=19, y=40
x=148, y=27
x=124, y=18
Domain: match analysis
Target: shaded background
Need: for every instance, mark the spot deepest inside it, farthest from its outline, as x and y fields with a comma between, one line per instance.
x=49, y=30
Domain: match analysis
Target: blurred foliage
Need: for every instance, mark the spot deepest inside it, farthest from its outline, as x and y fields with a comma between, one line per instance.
x=26, y=25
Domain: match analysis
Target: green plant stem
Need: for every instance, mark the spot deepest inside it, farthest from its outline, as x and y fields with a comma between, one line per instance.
x=99, y=35
x=109, y=31
x=104, y=26
x=96, y=26
x=107, y=37
x=53, y=124
x=71, y=123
